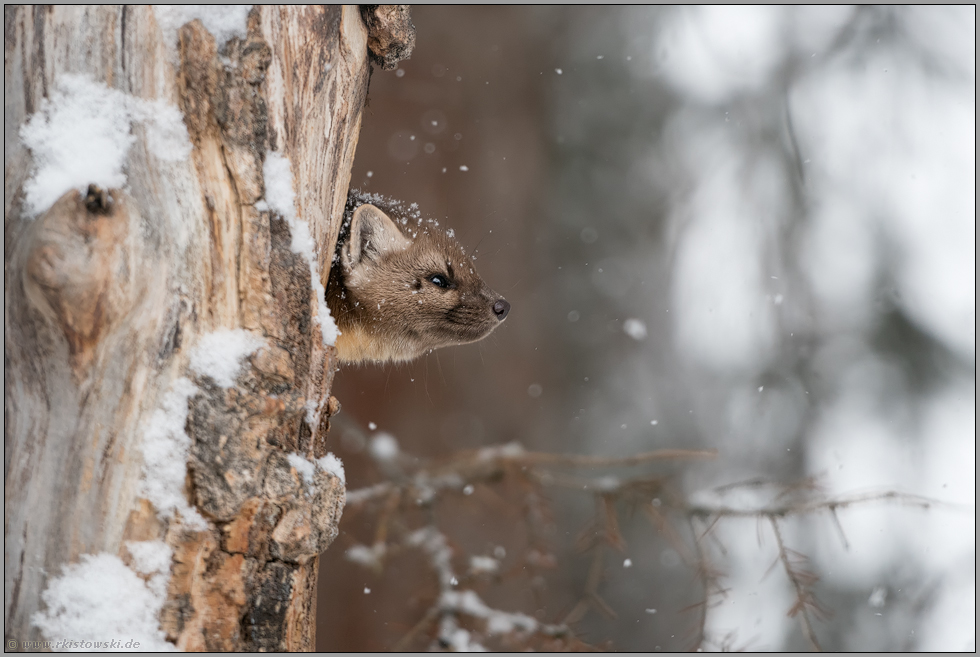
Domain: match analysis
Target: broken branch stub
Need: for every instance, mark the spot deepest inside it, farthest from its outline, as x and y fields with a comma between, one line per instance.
x=391, y=34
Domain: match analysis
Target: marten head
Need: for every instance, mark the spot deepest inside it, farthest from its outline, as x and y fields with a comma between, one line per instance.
x=399, y=289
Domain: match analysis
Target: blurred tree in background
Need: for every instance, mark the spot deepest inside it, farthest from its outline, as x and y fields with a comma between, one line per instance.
x=742, y=229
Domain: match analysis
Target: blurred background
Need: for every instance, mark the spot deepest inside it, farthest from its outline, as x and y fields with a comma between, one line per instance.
x=746, y=229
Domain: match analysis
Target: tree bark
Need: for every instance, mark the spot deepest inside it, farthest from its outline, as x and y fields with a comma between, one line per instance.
x=107, y=294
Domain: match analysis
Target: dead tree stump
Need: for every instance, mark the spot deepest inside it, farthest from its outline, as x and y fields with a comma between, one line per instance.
x=167, y=360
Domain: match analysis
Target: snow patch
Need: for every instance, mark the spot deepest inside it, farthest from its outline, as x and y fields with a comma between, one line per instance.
x=498, y=622
x=279, y=192
x=312, y=408
x=511, y=450
x=222, y=21
x=303, y=467
x=219, y=354
x=82, y=133
x=99, y=600
x=332, y=465
x=434, y=544
x=481, y=564
x=360, y=495
x=306, y=468
x=280, y=197
x=458, y=639
x=165, y=447
x=369, y=557
x=152, y=560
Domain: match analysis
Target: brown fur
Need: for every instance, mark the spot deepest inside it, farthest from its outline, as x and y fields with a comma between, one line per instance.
x=384, y=301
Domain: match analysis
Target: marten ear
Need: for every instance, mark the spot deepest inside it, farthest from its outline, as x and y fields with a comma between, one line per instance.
x=372, y=235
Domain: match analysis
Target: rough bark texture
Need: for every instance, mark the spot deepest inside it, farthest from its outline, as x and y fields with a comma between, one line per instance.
x=106, y=295
x=391, y=34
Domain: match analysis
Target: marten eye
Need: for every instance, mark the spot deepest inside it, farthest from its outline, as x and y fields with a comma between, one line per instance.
x=440, y=281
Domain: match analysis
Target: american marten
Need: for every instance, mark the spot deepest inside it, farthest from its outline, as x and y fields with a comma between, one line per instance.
x=401, y=286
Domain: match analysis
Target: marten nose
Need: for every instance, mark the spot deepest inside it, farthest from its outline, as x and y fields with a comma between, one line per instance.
x=501, y=308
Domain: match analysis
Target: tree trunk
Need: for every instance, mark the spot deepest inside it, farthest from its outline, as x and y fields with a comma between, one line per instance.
x=124, y=307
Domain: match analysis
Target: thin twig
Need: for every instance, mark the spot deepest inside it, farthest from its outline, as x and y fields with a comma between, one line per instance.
x=803, y=508
x=368, y=493
x=660, y=522
x=705, y=585
x=579, y=461
x=535, y=471
x=428, y=619
x=479, y=465
x=840, y=528
x=802, y=594
x=390, y=507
